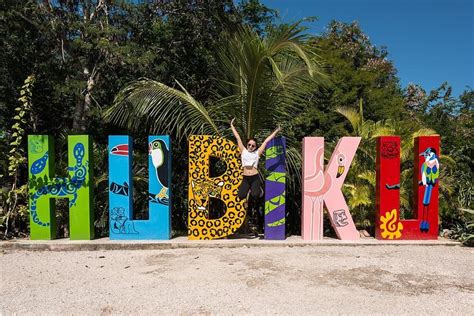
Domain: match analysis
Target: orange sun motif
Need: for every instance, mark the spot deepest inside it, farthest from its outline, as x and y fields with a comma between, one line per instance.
x=390, y=226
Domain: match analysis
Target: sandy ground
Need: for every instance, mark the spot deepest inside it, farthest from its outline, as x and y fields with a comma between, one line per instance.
x=303, y=280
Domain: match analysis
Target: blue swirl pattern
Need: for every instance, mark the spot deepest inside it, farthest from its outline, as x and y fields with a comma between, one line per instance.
x=60, y=187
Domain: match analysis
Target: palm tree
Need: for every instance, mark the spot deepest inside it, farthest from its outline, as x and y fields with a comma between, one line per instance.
x=261, y=82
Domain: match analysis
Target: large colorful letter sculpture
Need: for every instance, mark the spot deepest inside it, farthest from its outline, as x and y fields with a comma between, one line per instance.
x=122, y=224
x=202, y=187
x=43, y=187
x=324, y=187
x=275, y=189
x=425, y=181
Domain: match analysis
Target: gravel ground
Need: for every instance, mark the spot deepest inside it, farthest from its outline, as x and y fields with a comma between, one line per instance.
x=303, y=280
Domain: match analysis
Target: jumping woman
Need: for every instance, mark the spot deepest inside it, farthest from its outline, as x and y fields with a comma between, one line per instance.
x=250, y=155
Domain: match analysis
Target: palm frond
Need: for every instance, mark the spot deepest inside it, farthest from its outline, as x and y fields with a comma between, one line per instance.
x=406, y=147
x=447, y=160
x=158, y=108
x=447, y=183
x=368, y=176
x=352, y=116
x=267, y=76
x=293, y=164
x=381, y=128
x=359, y=195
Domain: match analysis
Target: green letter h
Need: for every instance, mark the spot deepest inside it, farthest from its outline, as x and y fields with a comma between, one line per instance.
x=43, y=187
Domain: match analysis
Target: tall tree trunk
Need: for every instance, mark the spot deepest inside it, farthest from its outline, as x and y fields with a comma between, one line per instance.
x=82, y=108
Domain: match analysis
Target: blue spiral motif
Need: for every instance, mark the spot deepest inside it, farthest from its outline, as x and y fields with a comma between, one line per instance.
x=60, y=187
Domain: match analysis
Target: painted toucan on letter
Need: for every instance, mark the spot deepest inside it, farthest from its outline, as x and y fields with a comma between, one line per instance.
x=159, y=157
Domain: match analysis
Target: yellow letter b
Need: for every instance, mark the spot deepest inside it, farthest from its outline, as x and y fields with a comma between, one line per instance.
x=203, y=187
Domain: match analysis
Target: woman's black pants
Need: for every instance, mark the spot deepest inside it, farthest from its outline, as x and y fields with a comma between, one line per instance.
x=251, y=183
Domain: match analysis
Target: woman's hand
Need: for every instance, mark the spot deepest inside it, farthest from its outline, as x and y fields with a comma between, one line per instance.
x=278, y=129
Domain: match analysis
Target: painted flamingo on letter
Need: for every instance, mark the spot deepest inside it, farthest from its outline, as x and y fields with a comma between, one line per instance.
x=324, y=185
x=316, y=185
x=319, y=183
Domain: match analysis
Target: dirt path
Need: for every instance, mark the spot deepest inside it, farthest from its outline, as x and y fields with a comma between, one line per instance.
x=303, y=280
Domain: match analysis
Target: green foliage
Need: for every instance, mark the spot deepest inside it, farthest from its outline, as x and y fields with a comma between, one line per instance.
x=359, y=70
x=257, y=16
x=464, y=230
x=15, y=198
x=16, y=153
x=261, y=81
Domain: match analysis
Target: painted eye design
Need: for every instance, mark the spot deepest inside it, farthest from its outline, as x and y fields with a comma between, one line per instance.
x=341, y=159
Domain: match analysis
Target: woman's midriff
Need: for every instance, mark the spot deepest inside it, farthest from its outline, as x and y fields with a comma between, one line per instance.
x=250, y=171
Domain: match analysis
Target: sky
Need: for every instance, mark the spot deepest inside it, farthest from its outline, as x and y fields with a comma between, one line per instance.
x=429, y=41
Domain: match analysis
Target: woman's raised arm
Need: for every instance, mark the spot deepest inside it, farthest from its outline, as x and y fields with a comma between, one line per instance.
x=269, y=138
x=237, y=136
